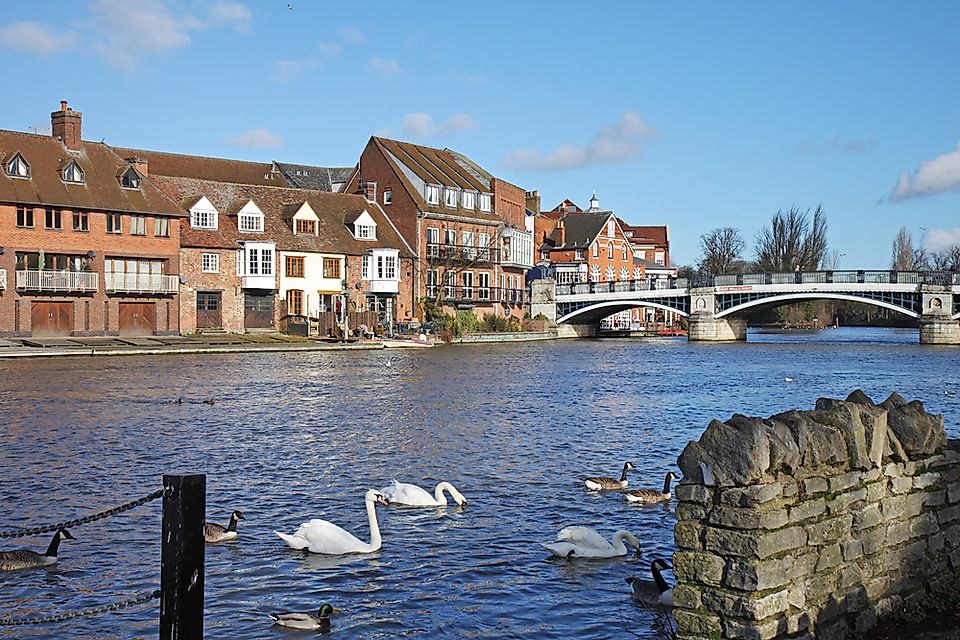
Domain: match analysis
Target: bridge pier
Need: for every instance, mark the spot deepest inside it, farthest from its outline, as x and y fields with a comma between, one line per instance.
x=937, y=325
x=705, y=327
x=543, y=299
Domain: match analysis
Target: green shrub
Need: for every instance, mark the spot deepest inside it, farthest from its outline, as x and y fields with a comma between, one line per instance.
x=494, y=324
x=466, y=322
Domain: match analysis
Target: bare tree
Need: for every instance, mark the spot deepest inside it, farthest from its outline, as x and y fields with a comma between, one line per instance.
x=946, y=260
x=905, y=257
x=793, y=241
x=722, y=251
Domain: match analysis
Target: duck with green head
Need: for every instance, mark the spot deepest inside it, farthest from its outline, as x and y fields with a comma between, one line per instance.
x=319, y=621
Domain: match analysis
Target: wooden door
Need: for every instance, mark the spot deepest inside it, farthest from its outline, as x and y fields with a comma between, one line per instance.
x=208, y=310
x=51, y=319
x=138, y=318
x=258, y=311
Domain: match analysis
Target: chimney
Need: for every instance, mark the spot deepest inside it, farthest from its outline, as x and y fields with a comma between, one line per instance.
x=66, y=125
x=369, y=191
x=562, y=233
x=142, y=165
x=533, y=201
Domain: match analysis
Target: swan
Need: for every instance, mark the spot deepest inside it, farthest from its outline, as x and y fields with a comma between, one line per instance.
x=413, y=496
x=652, y=496
x=213, y=532
x=656, y=592
x=307, y=621
x=583, y=542
x=27, y=559
x=320, y=536
x=604, y=483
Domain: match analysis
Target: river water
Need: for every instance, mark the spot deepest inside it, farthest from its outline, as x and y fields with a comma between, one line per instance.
x=298, y=436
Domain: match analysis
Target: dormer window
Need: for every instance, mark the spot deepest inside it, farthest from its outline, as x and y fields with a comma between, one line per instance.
x=203, y=215
x=450, y=198
x=18, y=167
x=73, y=173
x=130, y=179
x=366, y=232
x=250, y=218
x=484, y=202
x=469, y=200
x=433, y=194
x=307, y=227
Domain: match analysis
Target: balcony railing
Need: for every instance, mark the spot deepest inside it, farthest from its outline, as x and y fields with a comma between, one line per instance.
x=79, y=281
x=141, y=283
x=461, y=254
x=3, y=278
x=477, y=295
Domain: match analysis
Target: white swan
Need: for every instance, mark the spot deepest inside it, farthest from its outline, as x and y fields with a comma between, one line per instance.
x=413, y=496
x=583, y=542
x=320, y=536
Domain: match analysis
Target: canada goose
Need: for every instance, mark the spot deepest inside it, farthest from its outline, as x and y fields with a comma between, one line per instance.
x=213, y=532
x=652, y=496
x=210, y=402
x=604, y=483
x=27, y=559
x=307, y=621
x=583, y=542
x=657, y=592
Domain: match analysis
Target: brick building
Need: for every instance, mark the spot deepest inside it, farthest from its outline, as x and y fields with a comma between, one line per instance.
x=88, y=246
x=467, y=228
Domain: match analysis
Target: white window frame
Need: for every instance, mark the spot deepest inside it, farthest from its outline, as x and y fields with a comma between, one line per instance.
x=659, y=257
x=467, y=241
x=623, y=251
x=624, y=275
x=469, y=199
x=432, y=282
x=483, y=285
x=210, y=262
x=636, y=273
x=595, y=273
x=365, y=231
x=596, y=249
x=388, y=196
x=135, y=179
x=433, y=194
x=203, y=219
x=245, y=220
x=579, y=254
x=433, y=242
x=365, y=266
x=485, y=202
x=611, y=228
x=450, y=283
x=450, y=198
x=161, y=227
x=468, y=285
x=609, y=274
x=483, y=245
x=138, y=225
x=18, y=161
x=73, y=174
x=609, y=251
x=387, y=267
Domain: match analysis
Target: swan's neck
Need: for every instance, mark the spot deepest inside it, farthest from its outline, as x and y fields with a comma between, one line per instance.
x=375, y=541
x=438, y=494
x=618, y=543
x=54, y=546
x=666, y=485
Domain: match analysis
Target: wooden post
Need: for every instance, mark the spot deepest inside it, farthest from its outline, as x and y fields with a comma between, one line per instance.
x=182, y=555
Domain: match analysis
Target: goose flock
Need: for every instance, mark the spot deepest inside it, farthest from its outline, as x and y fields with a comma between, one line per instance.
x=323, y=537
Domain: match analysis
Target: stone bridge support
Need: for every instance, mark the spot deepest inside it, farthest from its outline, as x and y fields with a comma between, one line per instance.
x=937, y=325
x=543, y=299
x=705, y=327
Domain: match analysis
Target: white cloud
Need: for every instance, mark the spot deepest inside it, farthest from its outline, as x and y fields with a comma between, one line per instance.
x=940, y=239
x=234, y=14
x=352, y=35
x=421, y=125
x=617, y=142
x=128, y=30
x=257, y=139
x=385, y=67
x=940, y=175
x=34, y=38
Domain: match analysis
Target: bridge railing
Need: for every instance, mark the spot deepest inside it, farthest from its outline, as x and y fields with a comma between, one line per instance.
x=644, y=284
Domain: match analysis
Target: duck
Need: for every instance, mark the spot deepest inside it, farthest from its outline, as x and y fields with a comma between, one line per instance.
x=210, y=402
x=584, y=542
x=213, y=532
x=652, y=496
x=950, y=394
x=319, y=621
x=604, y=483
x=413, y=496
x=788, y=379
x=320, y=536
x=657, y=592
x=27, y=559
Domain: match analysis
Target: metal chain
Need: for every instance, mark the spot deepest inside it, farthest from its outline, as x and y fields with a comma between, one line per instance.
x=60, y=617
x=49, y=528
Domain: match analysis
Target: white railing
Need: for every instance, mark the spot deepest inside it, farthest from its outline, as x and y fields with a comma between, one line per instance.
x=3, y=278
x=33, y=280
x=141, y=282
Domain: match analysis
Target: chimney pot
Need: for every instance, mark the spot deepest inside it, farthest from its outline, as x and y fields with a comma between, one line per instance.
x=63, y=105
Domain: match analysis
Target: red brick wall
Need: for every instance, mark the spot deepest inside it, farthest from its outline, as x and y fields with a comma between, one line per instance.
x=227, y=282
x=403, y=211
x=91, y=315
x=509, y=202
x=405, y=307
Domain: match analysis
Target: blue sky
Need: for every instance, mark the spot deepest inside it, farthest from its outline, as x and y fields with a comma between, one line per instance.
x=698, y=116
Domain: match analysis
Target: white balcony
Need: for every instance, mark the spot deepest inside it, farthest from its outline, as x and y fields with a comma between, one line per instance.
x=77, y=281
x=3, y=278
x=384, y=286
x=518, y=250
x=259, y=282
x=141, y=283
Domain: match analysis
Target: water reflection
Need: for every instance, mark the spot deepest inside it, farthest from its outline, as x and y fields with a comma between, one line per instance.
x=297, y=436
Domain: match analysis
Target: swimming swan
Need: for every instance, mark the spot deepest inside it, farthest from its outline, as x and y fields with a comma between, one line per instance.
x=320, y=536
x=413, y=496
x=583, y=542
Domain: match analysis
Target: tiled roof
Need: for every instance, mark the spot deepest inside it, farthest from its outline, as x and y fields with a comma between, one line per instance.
x=305, y=176
x=206, y=168
x=580, y=230
x=652, y=234
x=100, y=191
x=278, y=206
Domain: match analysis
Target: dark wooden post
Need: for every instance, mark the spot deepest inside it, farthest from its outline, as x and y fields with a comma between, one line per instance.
x=181, y=558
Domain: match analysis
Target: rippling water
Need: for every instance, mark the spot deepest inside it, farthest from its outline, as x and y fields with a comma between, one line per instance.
x=297, y=436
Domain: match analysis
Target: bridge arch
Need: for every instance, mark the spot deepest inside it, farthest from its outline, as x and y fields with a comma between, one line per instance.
x=596, y=312
x=778, y=300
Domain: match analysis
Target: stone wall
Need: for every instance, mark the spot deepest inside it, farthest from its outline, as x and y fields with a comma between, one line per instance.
x=814, y=523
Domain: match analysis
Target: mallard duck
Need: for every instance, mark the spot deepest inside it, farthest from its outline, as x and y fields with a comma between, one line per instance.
x=604, y=483
x=651, y=496
x=213, y=532
x=583, y=542
x=657, y=592
x=307, y=621
x=27, y=559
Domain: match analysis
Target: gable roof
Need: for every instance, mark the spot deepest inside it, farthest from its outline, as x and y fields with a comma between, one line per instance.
x=304, y=176
x=100, y=189
x=206, y=168
x=580, y=230
x=651, y=234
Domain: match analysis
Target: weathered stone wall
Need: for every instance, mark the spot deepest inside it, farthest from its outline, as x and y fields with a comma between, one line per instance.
x=817, y=522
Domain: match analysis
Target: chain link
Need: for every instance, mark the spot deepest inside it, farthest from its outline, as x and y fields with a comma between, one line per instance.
x=49, y=528
x=60, y=617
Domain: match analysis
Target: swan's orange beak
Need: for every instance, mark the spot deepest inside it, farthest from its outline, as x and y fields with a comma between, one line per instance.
x=382, y=500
